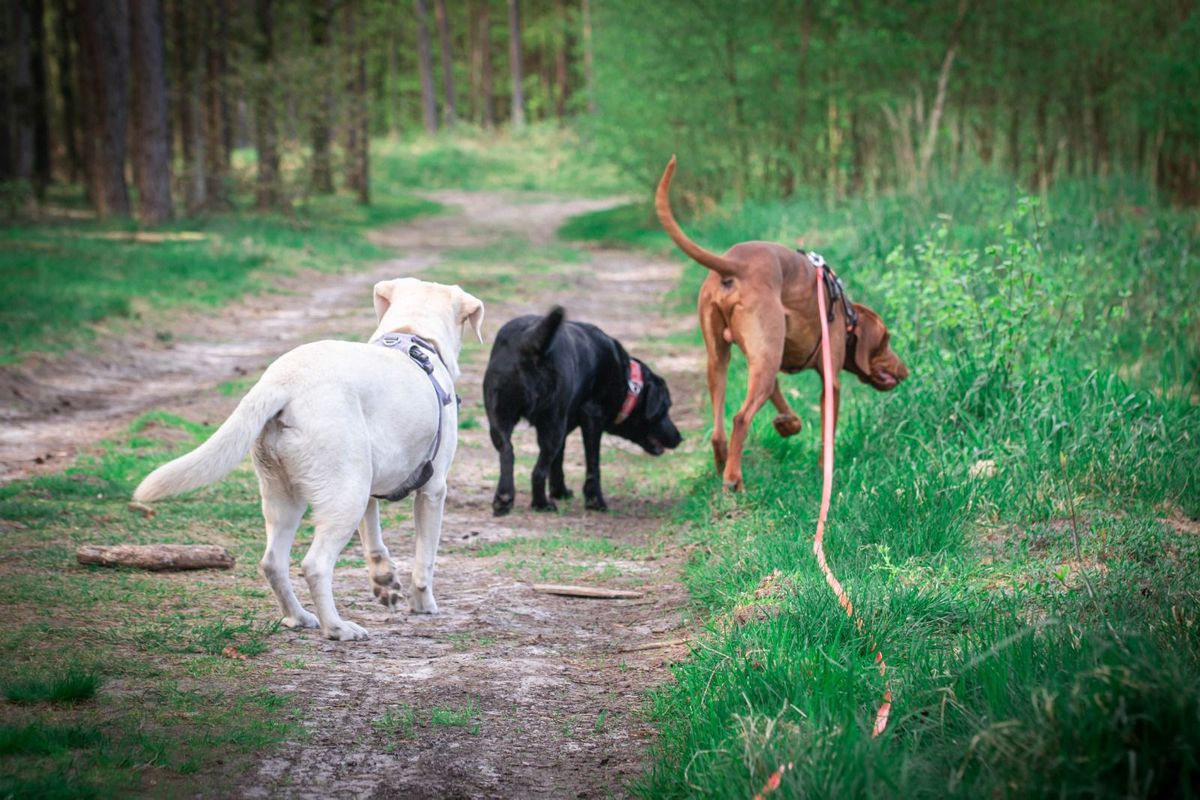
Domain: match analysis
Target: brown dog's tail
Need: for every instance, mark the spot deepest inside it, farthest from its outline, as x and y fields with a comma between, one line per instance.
x=662, y=204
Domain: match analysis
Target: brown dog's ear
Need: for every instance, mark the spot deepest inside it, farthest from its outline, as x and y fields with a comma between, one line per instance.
x=382, y=298
x=472, y=311
x=870, y=334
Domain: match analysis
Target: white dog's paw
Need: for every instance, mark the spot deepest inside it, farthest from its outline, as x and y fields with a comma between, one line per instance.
x=304, y=620
x=345, y=631
x=420, y=601
x=387, y=590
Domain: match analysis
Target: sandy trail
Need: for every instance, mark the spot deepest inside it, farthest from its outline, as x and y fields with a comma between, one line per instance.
x=506, y=692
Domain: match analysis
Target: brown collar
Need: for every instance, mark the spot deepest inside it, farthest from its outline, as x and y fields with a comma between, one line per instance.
x=635, y=384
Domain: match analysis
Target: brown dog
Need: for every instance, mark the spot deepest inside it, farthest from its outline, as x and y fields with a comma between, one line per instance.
x=762, y=296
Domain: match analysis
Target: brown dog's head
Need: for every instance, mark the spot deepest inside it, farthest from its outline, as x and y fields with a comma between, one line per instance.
x=870, y=356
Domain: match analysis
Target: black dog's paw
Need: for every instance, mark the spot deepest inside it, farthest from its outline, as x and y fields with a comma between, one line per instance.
x=547, y=506
x=562, y=493
x=501, y=505
x=596, y=504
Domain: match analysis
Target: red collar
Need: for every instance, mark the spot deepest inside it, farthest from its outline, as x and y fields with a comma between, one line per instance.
x=635, y=384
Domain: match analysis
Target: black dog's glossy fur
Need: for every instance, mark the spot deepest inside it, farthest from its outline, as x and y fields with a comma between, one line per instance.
x=560, y=376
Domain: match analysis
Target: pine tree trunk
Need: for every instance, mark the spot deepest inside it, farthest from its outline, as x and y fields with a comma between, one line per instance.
x=63, y=13
x=515, y=63
x=449, y=106
x=269, y=185
x=41, y=106
x=560, y=61
x=18, y=79
x=215, y=172
x=321, y=130
x=425, y=65
x=356, y=91
x=104, y=66
x=588, y=78
x=487, y=76
x=198, y=171
x=151, y=126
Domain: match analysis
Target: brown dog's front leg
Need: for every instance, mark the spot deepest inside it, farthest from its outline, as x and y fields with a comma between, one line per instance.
x=787, y=423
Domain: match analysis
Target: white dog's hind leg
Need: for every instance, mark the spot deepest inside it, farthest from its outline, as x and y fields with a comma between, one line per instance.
x=384, y=584
x=427, y=512
x=282, y=513
x=334, y=526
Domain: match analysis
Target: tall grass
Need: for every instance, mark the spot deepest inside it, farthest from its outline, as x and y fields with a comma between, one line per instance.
x=1053, y=337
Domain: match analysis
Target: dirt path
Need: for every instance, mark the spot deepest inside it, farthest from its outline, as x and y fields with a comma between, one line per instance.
x=506, y=692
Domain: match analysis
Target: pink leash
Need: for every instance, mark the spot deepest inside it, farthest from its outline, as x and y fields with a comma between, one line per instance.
x=881, y=716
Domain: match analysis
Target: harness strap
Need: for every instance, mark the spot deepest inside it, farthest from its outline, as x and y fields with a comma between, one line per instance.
x=635, y=383
x=836, y=289
x=418, y=350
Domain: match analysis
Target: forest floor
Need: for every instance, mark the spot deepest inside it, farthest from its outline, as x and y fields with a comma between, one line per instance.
x=506, y=692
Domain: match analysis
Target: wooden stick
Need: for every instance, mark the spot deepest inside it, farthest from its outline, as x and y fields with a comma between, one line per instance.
x=157, y=557
x=654, y=645
x=586, y=591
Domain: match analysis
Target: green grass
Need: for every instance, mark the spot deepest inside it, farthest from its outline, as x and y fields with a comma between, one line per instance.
x=74, y=684
x=540, y=158
x=1055, y=338
x=62, y=278
x=462, y=717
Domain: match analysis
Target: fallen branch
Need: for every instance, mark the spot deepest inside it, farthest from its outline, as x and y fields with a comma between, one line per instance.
x=157, y=557
x=654, y=645
x=586, y=591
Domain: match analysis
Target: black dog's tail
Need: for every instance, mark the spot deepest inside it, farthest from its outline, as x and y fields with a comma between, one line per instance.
x=539, y=337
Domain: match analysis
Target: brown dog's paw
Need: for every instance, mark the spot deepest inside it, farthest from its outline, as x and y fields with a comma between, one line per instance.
x=787, y=425
x=734, y=485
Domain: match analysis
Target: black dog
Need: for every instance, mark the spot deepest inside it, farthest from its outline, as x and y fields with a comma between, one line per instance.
x=566, y=375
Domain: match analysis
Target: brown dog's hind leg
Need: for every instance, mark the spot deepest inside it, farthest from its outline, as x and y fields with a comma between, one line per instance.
x=758, y=389
x=786, y=423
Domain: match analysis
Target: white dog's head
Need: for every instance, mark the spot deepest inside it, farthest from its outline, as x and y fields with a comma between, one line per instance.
x=433, y=311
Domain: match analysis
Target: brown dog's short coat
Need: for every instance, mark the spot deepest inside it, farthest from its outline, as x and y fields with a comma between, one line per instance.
x=761, y=296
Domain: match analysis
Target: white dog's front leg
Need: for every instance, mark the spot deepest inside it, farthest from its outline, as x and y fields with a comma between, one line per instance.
x=427, y=511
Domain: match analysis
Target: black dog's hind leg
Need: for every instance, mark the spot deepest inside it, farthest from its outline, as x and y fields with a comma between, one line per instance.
x=593, y=429
x=506, y=492
x=551, y=437
x=558, y=485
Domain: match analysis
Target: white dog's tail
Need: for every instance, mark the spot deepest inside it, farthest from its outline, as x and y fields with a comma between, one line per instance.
x=223, y=451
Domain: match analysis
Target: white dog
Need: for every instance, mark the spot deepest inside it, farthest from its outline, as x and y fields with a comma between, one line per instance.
x=337, y=425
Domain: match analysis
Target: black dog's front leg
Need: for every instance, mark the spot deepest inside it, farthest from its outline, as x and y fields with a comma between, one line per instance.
x=558, y=484
x=550, y=446
x=593, y=429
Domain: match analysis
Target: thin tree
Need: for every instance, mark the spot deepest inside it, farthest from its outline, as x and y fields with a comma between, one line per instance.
x=588, y=78
x=216, y=172
x=425, y=66
x=65, y=60
x=515, y=65
x=269, y=184
x=39, y=107
x=562, y=42
x=320, y=19
x=487, y=77
x=151, y=127
x=104, y=66
x=449, y=105
x=354, y=45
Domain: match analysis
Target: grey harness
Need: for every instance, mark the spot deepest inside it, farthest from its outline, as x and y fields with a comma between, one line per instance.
x=418, y=350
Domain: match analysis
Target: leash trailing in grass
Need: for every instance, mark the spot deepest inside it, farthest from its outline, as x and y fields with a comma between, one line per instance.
x=881, y=716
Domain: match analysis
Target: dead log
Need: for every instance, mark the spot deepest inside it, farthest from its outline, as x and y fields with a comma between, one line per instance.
x=157, y=557
x=586, y=591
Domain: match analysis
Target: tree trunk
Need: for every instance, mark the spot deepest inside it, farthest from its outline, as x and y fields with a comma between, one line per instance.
x=198, y=193
x=356, y=92
x=104, y=62
x=560, y=60
x=216, y=172
x=425, y=65
x=588, y=79
x=151, y=127
x=19, y=84
x=487, y=76
x=320, y=18
x=449, y=105
x=515, y=65
x=64, y=11
x=1014, y=140
x=269, y=184
x=41, y=106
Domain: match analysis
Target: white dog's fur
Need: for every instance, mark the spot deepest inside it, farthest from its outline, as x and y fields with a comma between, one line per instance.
x=333, y=423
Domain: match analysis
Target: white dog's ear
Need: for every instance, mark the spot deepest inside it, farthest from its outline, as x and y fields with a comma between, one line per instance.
x=472, y=311
x=383, y=298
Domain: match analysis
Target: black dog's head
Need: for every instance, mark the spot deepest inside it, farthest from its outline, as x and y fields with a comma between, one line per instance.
x=649, y=424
